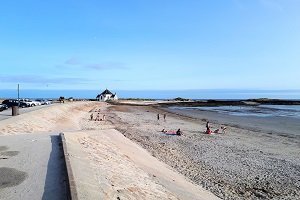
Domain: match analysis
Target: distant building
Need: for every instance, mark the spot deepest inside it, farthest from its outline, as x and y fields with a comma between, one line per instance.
x=107, y=95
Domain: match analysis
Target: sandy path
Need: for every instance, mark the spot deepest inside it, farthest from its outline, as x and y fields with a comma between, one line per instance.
x=56, y=118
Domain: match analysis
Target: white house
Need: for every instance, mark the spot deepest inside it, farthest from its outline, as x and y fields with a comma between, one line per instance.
x=106, y=95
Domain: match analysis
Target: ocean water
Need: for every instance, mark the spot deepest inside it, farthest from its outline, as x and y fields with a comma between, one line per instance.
x=157, y=94
x=292, y=111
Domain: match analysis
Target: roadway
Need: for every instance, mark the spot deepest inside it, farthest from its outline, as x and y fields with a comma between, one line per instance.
x=8, y=113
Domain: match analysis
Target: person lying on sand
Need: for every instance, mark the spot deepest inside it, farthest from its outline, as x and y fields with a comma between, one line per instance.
x=223, y=128
x=208, y=131
x=172, y=132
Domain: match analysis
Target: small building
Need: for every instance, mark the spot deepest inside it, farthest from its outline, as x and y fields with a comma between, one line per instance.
x=107, y=95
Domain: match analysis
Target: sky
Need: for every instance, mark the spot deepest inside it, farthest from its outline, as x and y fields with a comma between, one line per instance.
x=150, y=44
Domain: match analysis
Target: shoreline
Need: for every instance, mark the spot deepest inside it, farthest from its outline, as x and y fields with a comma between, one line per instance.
x=283, y=126
x=207, y=102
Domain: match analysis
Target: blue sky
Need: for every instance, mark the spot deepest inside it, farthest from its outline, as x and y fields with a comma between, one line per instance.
x=150, y=44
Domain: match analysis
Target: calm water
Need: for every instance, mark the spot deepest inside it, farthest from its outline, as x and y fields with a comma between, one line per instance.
x=257, y=111
x=157, y=94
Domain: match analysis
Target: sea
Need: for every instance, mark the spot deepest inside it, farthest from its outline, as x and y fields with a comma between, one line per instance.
x=155, y=94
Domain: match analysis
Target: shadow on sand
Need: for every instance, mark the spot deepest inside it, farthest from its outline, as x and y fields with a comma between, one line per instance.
x=56, y=178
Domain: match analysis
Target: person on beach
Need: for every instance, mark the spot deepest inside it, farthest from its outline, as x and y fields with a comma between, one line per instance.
x=92, y=116
x=179, y=132
x=157, y=116
x=172, y=132
x=208, y=131
x=103, y=117
x=223, y=128
x=165, y=115
x=207, y=125
x=216, y=131
x=98, y=117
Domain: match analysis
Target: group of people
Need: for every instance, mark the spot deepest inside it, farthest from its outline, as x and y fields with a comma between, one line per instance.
x=209, y=131
x=97, y=118
x=164, y=116
x=222, y=129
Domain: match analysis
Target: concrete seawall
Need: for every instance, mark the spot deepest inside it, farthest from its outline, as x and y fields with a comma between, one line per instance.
x=82, y=182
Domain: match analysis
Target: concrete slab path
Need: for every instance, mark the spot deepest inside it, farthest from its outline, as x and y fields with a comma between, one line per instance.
x=32, y=167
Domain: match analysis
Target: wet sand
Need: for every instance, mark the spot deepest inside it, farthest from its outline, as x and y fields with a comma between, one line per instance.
x=284, y=126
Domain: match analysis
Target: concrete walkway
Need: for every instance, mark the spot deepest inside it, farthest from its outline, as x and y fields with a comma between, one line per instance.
x=32, y=167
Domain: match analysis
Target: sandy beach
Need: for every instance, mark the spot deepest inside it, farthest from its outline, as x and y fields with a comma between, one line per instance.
x=128, y=173
x=241, y=164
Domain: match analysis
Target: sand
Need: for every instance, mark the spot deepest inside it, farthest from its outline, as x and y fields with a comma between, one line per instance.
x=129, y=174
x=121, y=169
x=241, y=164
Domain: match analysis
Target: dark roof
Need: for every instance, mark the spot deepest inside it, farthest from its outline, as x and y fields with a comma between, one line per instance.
x=106, y=92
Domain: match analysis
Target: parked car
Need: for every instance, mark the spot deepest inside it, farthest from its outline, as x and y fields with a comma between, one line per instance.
x=35, y=103
x=13, y=102
x=30, y=103
x=23, y=105
x=3, y=107
x=43, y=101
